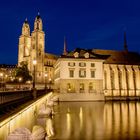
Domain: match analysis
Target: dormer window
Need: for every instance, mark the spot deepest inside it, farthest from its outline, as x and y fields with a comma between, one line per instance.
x=86, y=55
x=76, y=54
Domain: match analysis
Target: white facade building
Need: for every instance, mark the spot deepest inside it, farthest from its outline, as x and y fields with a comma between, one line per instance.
x=80, y=71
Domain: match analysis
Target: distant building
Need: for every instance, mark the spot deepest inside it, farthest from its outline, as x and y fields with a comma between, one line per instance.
x=32, y=47
x=6, y=72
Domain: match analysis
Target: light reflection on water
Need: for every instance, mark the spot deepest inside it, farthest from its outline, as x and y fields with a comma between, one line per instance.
x=97, y=121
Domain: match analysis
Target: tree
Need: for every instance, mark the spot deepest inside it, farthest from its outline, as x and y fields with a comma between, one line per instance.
x=23, y=72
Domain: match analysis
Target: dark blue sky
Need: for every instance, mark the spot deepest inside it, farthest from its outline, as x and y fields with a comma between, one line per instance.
x=85, y=23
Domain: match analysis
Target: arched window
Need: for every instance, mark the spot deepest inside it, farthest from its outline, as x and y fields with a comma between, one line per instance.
x=90, y=87
x=112, y=79
x=120, y=79
x=105, y=79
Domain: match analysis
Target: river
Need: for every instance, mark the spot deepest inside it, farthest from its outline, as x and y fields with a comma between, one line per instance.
x=96, y=121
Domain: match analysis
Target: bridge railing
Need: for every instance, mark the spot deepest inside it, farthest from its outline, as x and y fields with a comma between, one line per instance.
x=11, y=96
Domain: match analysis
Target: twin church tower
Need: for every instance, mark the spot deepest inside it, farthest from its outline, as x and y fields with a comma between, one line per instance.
x=32, y=47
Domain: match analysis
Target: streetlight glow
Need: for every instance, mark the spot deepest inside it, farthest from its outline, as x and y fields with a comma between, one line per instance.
x=1, y=74
x=34, y=62
x=20, y=79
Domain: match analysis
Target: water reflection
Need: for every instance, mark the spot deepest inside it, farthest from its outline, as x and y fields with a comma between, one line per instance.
x=97, y=120
x=121, y=120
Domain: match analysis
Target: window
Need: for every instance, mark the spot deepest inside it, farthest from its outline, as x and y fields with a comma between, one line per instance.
x=92, y=74
x=82, y=73
x=92, y=64
x=72, y=64
x=69, y=87
x=39, y=53
x=82, y=64
x=91, y=87
x=71, y=73
x=105, y=79
x=112, y=79
x=82, y=88
x=33, y=46
x=120, y=78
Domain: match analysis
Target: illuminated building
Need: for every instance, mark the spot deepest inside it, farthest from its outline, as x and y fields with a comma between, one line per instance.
x=115, y=74
x=111, y=73
x=32, y=47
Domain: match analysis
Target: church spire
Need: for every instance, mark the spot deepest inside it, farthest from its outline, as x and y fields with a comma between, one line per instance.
x=26, y=28
x=65, y=47
x=125, y=42
x=38, y=22
x=26, y=20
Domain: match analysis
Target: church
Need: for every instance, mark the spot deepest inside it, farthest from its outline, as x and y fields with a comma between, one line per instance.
x=89, y=73
x=31, y=49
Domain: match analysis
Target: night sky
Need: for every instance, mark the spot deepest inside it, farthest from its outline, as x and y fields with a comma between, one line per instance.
x=85, y=23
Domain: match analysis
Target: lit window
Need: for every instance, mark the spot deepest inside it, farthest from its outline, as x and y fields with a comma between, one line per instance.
x=92, y=74
x=82, y=73
x=90, y=86
x=82, y=87
x=70, y=88
x=71, y=73
x=82, y=64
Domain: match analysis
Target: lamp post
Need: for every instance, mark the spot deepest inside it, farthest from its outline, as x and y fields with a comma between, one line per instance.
x=46, y=80
x=34, y=64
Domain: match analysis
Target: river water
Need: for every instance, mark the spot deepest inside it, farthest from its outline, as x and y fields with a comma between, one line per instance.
x=96, y=121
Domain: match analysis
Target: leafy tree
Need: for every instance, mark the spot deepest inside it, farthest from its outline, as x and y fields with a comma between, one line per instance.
x=23, y=72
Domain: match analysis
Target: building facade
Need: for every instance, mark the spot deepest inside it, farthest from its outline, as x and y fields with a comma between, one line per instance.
x=32, y=48
x=115, y=74
x=121, y=74
x=80, y=71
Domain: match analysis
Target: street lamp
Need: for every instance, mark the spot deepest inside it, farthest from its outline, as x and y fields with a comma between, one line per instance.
x=46, y=80
x=1, y=75
x=34, y=64
x=20, y=79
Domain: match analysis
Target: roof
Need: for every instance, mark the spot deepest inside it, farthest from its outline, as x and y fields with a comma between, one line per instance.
x=119, y=57
x=84, y=53
x=50, y=56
